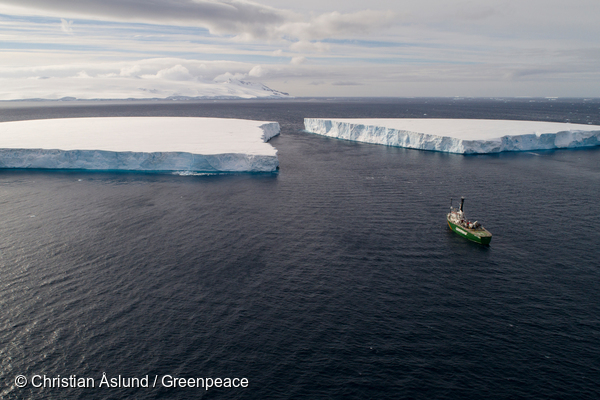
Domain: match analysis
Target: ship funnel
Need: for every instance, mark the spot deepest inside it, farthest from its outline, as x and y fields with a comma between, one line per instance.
x=462, y=201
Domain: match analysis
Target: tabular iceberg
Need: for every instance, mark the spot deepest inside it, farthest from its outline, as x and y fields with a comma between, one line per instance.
x=140, y=144
x=462, y=136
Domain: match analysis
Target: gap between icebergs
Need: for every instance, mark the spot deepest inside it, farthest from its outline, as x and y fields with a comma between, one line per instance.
x=140, y=144
x=462, y=136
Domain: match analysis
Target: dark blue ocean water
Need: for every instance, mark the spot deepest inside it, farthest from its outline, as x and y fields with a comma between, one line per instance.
x=335, y=278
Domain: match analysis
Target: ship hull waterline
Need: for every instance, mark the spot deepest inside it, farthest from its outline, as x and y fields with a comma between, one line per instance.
x=477, y=236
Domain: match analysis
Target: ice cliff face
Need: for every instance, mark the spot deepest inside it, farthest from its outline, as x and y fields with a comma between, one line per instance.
x=270, y=130
x=584, y=136
x=148, y=144
x=136, y=161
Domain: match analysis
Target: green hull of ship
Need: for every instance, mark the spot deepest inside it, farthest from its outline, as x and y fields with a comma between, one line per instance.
x=478, y=236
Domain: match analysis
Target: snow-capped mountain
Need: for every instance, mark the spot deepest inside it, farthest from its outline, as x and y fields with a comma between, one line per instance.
x=130, y=87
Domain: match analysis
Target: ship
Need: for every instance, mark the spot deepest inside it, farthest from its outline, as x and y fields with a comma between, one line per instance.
x=458, y=222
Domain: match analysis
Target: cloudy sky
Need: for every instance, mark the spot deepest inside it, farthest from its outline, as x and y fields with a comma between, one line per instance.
x=306, y=48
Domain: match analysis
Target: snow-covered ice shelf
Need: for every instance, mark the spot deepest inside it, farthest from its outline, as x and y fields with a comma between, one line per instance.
x=140, y=144
x=463, y=136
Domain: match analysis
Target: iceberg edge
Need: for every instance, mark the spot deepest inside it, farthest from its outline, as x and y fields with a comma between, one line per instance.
x=369, y=133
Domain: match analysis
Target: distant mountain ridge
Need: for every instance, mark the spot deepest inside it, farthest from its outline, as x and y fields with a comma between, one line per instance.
x=131, y=88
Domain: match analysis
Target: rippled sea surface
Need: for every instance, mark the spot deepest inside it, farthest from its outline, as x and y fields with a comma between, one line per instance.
x=335, y=278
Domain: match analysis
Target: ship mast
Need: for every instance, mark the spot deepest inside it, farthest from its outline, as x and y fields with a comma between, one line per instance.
x=462, y=201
